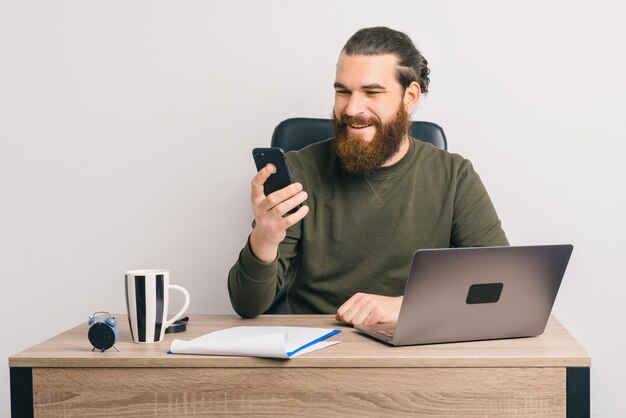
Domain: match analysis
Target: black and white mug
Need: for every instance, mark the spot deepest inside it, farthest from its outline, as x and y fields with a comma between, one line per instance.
x=147, y=302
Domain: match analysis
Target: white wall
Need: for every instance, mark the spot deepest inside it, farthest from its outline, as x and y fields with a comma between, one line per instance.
x=126, y=130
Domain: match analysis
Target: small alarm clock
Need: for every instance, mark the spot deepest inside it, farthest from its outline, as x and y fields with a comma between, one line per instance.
x=103, y=334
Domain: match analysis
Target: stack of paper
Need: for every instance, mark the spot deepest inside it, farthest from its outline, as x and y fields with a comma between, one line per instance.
x=275, y=342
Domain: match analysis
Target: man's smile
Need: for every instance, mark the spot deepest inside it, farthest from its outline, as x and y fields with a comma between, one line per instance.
x=359, y=125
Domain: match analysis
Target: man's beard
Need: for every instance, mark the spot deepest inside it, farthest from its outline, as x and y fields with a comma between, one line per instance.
x=361, y=157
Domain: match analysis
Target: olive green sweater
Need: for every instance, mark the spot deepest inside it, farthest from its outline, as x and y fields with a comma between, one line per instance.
x=361, y=232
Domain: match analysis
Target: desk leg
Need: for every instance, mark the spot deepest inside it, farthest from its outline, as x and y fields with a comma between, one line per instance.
x=578, y=392
x=21, y=392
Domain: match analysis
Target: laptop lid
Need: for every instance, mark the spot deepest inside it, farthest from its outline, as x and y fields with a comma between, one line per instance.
x=465, y=294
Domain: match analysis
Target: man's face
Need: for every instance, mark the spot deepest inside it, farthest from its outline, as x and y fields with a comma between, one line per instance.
x=366, y=88
x=370, y=120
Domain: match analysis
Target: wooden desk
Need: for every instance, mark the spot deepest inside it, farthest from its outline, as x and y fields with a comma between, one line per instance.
x=542, y=376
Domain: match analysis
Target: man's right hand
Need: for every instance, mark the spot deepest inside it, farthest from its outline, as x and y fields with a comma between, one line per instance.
x=269, y=214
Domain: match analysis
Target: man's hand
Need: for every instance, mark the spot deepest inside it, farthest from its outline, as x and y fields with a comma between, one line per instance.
x=270, y=223
x=363, y=308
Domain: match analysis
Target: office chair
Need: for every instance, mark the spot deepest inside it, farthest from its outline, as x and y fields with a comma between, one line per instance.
x=296, y=133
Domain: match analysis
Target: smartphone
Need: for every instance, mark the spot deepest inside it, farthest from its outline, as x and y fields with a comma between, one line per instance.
x=282, y=177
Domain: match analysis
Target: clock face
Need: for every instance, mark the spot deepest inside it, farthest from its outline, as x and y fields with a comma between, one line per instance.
x=101, y=336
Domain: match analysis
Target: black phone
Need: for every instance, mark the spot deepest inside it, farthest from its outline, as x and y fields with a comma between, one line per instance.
x=282, y=177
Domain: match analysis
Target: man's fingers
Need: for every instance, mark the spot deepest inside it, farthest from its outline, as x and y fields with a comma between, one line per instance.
x=281, y=195
x=266, y=203
x=375, y=316
x=363, y=308
x=350, y=308
x=346, y=316
x=295, y=217
x=259, y=179
x=271, y=212
x=361, y=314
x=284, y=207
x=262, y=175
x=343, y=309
x=369, y=311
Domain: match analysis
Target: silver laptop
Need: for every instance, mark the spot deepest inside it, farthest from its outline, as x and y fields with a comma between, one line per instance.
x=468, y=294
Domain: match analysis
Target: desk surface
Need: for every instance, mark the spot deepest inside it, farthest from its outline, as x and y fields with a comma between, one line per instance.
x=554, y=348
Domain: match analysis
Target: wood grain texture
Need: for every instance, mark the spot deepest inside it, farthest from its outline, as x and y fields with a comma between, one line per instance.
x=554, y=348
x=322, y=392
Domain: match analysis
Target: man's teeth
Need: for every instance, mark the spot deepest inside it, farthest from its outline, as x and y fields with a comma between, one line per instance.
x=359, y=126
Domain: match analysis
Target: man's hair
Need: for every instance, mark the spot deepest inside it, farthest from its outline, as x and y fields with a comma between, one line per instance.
x=380, y=40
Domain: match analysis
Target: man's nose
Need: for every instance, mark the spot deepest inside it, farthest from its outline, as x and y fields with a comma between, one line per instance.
x=356, y=105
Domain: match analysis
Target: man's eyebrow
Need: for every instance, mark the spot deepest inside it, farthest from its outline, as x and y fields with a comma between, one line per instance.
x=374, y=86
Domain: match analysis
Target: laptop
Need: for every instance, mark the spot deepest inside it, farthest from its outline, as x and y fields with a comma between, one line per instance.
x=469, y=294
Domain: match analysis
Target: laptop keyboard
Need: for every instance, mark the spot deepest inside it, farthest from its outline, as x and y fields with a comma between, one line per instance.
x=387, y=332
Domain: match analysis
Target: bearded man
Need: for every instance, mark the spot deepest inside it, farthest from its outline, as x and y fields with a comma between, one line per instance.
x=371, y=196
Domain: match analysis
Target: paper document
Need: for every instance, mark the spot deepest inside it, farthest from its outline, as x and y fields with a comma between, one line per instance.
x=275, y=342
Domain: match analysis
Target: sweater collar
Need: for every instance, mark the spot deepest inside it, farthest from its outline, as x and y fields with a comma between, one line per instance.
x=396, y=168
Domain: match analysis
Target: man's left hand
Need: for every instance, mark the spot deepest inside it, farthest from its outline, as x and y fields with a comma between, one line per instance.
x=363, y=308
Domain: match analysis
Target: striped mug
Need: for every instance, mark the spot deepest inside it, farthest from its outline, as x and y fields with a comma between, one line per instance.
x=147, y=301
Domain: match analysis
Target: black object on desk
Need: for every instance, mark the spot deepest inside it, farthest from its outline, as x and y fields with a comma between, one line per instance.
x=178, y=326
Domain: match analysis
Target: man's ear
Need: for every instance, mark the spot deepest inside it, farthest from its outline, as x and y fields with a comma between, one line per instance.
x=412, y=96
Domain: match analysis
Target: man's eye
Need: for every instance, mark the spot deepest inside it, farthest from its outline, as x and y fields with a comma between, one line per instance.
x=372, y=93
x=341, y=91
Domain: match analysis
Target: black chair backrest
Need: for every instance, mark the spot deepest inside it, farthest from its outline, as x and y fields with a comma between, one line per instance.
x=296, y=133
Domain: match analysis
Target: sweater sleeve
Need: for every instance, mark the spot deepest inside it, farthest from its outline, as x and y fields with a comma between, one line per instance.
x=253, y=284
x=475, y=221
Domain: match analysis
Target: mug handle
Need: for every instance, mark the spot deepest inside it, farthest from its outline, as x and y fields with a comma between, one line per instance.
x=183, y=309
